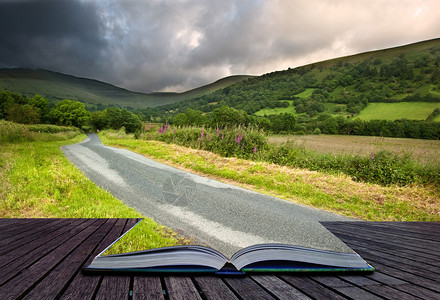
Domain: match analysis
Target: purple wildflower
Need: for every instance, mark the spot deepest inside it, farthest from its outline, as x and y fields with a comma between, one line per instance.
x=149, y=127
x=372, y=156
x=202, y=134
x=255, y=150
x=218, y=131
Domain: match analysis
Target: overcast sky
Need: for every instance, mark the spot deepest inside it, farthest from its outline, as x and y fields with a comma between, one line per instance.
x=152, y=45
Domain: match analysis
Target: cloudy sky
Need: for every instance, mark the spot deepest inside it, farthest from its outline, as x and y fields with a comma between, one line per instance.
x=176, y=45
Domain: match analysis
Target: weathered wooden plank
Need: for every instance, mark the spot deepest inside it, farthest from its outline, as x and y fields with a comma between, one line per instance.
x=416, y=256
x=408, y=277
x=8, y=223
x=311, y=287
x=420, y=269
x=344, y=287
x=180, y=287
x=396, y=256
x=29, y=226
x=357, y=293
x=418, y=291
x=20, y=239
x=425, y=230
x=11, y=269
x=330, y=281
x=59, y=277
x=212, y=287
x=148, y=287
x=116, y=280
x=114, y=287
x=20, y=284
x=388, y=292
x=247, y=288
x=388, y=236
x=83, y=285
x=279, y=288
x=383, y=278
x=363, y=281
x=26, y=251
x=392, y=240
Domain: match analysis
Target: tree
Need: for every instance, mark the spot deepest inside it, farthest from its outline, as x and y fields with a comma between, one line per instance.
x=180, y=119
x=228, y=116
x=284, y=122
x=98, y=119
x=41, y=104
x=70, y=113
x=24, y=114
x=117, y=118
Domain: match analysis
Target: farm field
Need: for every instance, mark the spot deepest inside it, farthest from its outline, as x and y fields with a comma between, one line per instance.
x=423, y=151
x=396, y=111
x=277, y=110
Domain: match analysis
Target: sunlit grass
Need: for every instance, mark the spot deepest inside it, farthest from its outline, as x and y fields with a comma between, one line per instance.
x=396, y=111
x=37, y=180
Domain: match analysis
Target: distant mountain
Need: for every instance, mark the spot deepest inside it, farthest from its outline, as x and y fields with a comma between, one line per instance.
x=341, y=87
x=57, y=86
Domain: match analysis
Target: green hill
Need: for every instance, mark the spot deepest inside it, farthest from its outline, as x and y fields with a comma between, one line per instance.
x=57, y=86
x=341, y=87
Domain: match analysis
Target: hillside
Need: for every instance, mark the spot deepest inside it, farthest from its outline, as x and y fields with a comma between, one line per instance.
x=57, y=86
x=340, y=87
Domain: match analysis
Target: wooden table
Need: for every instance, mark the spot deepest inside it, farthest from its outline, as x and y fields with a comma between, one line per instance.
x=43, y=258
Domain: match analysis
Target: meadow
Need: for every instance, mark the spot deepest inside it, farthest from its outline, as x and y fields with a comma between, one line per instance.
x=422, y=151
x=397, y=111
x=278, y=110
x=37, y=181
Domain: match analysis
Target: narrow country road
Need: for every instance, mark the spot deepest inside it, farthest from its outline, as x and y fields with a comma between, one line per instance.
x=219, y=215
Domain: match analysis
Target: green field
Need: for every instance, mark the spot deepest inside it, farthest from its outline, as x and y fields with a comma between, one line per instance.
x=278, y=110
x=306, y=94
x=396, y=111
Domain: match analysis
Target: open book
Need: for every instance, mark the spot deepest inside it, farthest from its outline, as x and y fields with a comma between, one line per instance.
x=257, y=258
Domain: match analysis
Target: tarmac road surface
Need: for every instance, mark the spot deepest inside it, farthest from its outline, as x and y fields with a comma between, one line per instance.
x=222, y=216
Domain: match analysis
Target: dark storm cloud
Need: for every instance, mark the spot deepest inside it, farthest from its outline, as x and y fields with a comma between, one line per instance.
x=62, y=35
x=176, y=45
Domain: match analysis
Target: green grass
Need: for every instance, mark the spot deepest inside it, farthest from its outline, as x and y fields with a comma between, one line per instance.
x=278, y=110
x=396, y=111
x=333, y=193
x=306, y=94
x=37, y=180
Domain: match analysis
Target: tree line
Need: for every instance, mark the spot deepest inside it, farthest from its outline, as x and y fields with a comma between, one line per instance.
x=38, y=110
x=286, y=123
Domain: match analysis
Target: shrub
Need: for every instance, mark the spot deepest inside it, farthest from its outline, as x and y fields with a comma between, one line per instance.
x=235, y=141
x=382, y=168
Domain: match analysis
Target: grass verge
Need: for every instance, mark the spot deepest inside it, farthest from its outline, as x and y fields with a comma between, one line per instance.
x=37, y=180
x=338, y=194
